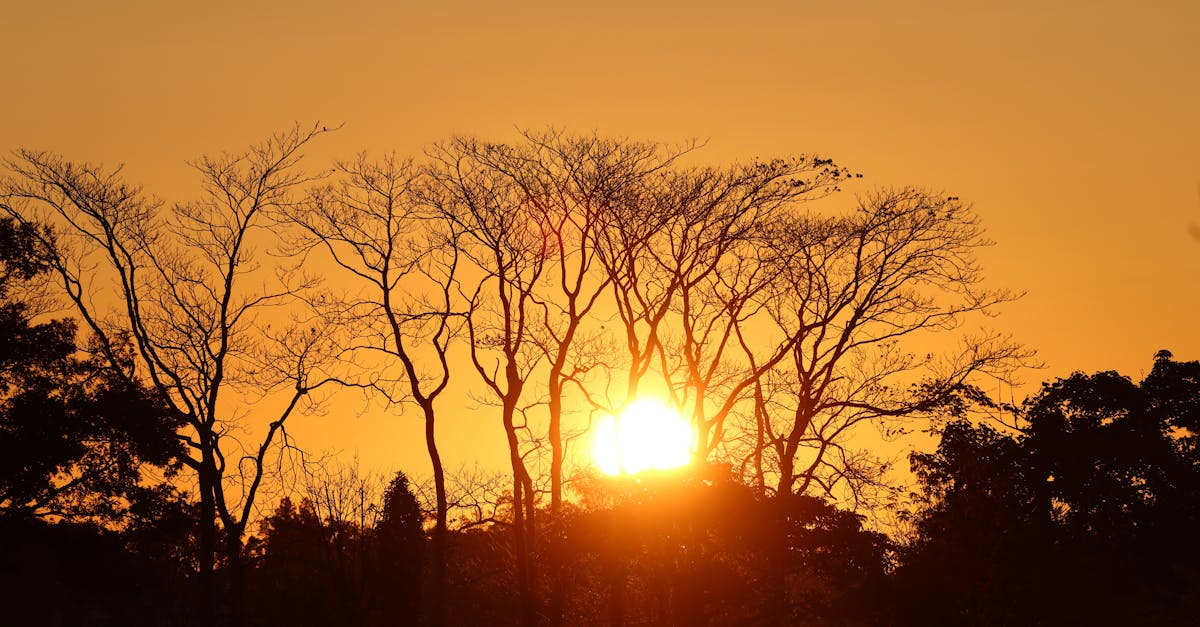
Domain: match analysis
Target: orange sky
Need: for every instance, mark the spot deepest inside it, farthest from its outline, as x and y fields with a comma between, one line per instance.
x=1075, y=130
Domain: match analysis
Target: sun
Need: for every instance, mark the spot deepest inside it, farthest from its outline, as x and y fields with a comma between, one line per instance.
x=647, y=435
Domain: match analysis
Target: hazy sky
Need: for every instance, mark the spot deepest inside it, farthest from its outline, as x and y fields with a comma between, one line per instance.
x=1073, y=127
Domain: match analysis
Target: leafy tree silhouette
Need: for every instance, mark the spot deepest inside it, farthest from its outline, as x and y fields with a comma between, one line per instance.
x=76, y=442
x=294, y=579
x=1086, y=513
x=401, y=545
x=74, y=433
x=328, y=571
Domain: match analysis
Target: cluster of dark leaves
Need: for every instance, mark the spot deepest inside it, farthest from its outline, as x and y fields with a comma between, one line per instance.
x=1086, y=513
x=85, y=534
x=75, y=433
x=309, y=570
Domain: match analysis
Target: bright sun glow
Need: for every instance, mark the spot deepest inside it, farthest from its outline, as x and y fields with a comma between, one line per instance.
x=648, y=435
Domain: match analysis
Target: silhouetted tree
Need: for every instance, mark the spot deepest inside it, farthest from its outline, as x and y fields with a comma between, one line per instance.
x=400, y=538
x=683, y=260
x=293, y=579
x=182, y=286
x=374, y=225
x=505, y=239
x=1087, y=511
x=984, y=553
x=314, y=569
x=566, y=184
x=77, y=446
x=74, y=433
x=853, y=291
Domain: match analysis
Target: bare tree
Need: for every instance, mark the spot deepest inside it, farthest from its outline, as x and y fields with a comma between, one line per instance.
x=714, y=259
x=341, y=491
x=348, y=506
x=682, y=260
x=852, y=291
x=476, y=497
x=508, y=245
x=184, y=285
x=569, y=183
x=374, y=227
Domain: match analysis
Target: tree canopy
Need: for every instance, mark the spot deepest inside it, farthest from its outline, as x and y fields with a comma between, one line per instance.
x=74, y=433
x=1085, y=507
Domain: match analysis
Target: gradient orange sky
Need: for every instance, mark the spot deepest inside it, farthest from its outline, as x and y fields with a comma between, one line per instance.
x=1073, y=128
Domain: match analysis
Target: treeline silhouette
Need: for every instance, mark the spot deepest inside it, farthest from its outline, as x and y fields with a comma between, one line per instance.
x=1085, y=512
x=149, y=475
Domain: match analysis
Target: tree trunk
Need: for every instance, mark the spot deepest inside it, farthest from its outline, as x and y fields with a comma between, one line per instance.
x=554, y=537
x=522, y=549
x=206, y=556
x=787, y=469
x=237, y=578
x=524, y=500
x=437, y=590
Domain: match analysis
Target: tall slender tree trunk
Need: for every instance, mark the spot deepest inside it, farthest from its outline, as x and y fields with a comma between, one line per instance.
x=237, y=577
x=787, y=471
x=206, y=556
x=524, y=499
x=522, y=549
x=554, y=534
x=787, y=459
x=437, y=592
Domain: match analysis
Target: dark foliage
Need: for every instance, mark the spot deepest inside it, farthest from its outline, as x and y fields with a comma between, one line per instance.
x=82, y=574
x=1087, y=514
x=84, y=538
x=401, y=542
x=675, y=550
x=74, y=433
x=314, y=571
